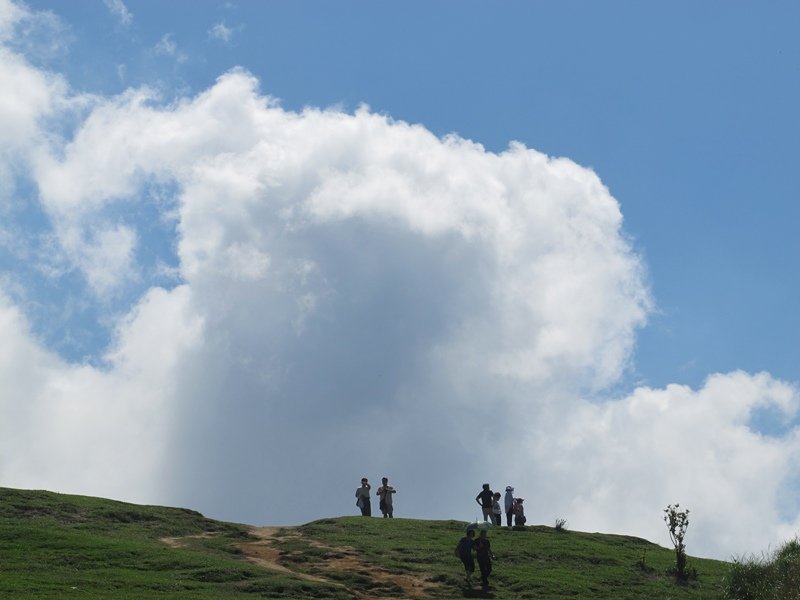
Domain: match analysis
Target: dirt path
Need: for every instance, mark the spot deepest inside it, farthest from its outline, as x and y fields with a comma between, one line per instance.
x=336, y=560
x=264, y=554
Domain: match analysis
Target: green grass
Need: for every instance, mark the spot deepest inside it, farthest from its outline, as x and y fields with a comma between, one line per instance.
x=59, y=546
x=535, y=562
x=775, y=577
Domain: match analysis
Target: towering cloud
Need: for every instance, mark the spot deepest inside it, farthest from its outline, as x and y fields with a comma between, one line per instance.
x=351, y=295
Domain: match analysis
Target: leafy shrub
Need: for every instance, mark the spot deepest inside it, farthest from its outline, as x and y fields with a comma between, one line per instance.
x=677, y=522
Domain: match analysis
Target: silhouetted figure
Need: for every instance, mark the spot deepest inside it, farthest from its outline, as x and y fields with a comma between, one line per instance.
x=464, y=553
x=497, y=512
x=484, y=499
x=509, y=504
x=484, y=554
x=519, y=512
x=385, y=493
x=362, y=498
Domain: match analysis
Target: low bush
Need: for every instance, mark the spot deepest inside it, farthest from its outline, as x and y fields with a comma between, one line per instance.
x=774, y=577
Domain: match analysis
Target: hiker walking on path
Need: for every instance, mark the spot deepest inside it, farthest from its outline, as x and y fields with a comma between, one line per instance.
x=484, y=554
x=509, y=504
x=485, y=498
x=362, y=498
x=464, y=553
x=385, y=494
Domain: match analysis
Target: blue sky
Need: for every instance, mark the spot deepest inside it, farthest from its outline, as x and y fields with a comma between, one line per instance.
x=685, y=112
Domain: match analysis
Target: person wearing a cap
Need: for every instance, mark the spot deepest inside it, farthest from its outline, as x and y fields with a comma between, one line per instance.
x=509, y=504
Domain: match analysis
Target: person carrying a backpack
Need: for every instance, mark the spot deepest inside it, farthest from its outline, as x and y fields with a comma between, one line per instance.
x=464, y=553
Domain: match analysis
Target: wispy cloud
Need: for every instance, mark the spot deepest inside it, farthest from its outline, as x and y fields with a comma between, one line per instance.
x=167, y=46
x=222, y=32
x=119, y=10
x=41, y=35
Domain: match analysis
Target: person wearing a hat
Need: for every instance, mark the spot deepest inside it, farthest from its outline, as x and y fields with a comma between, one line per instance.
x=509, y=504
x=519, y=512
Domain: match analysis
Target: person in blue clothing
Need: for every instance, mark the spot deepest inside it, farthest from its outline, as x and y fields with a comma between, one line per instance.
x=464, y=553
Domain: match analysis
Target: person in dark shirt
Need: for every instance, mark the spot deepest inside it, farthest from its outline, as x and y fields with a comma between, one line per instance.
x=484, y=554
x=485, y=499
x=464, y=553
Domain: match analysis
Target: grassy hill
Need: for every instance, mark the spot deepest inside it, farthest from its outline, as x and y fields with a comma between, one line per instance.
x=60, y=546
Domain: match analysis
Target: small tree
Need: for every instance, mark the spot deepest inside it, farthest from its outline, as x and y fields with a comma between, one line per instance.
x=677, y=522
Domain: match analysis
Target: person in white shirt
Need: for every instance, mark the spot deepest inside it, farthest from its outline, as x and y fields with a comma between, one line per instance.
x=362, y=498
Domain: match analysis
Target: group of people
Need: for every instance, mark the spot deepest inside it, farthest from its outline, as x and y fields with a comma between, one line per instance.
x=385, y=493
x=483, y=553
x=469, y=549
x=489, y=502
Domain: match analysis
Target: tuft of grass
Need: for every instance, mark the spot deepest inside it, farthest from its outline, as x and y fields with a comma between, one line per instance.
x=770, y=577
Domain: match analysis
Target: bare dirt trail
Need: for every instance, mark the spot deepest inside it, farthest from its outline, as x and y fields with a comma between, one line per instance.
x=264, y=554
x=336, y=560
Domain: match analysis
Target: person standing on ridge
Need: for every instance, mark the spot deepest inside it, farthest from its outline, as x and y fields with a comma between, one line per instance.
x=362, y=498
x=385, y=494
x=509, y=502
x=497, y=511
x=485, y=499
x=519, y=512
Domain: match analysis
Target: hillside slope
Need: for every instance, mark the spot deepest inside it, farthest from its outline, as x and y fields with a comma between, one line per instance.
x=57, y=546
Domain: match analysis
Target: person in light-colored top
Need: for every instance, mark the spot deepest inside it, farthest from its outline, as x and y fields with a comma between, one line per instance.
x=362, y=498
x=497, y=512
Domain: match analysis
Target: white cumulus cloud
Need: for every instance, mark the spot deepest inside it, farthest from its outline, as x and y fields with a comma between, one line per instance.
x=357, y=296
